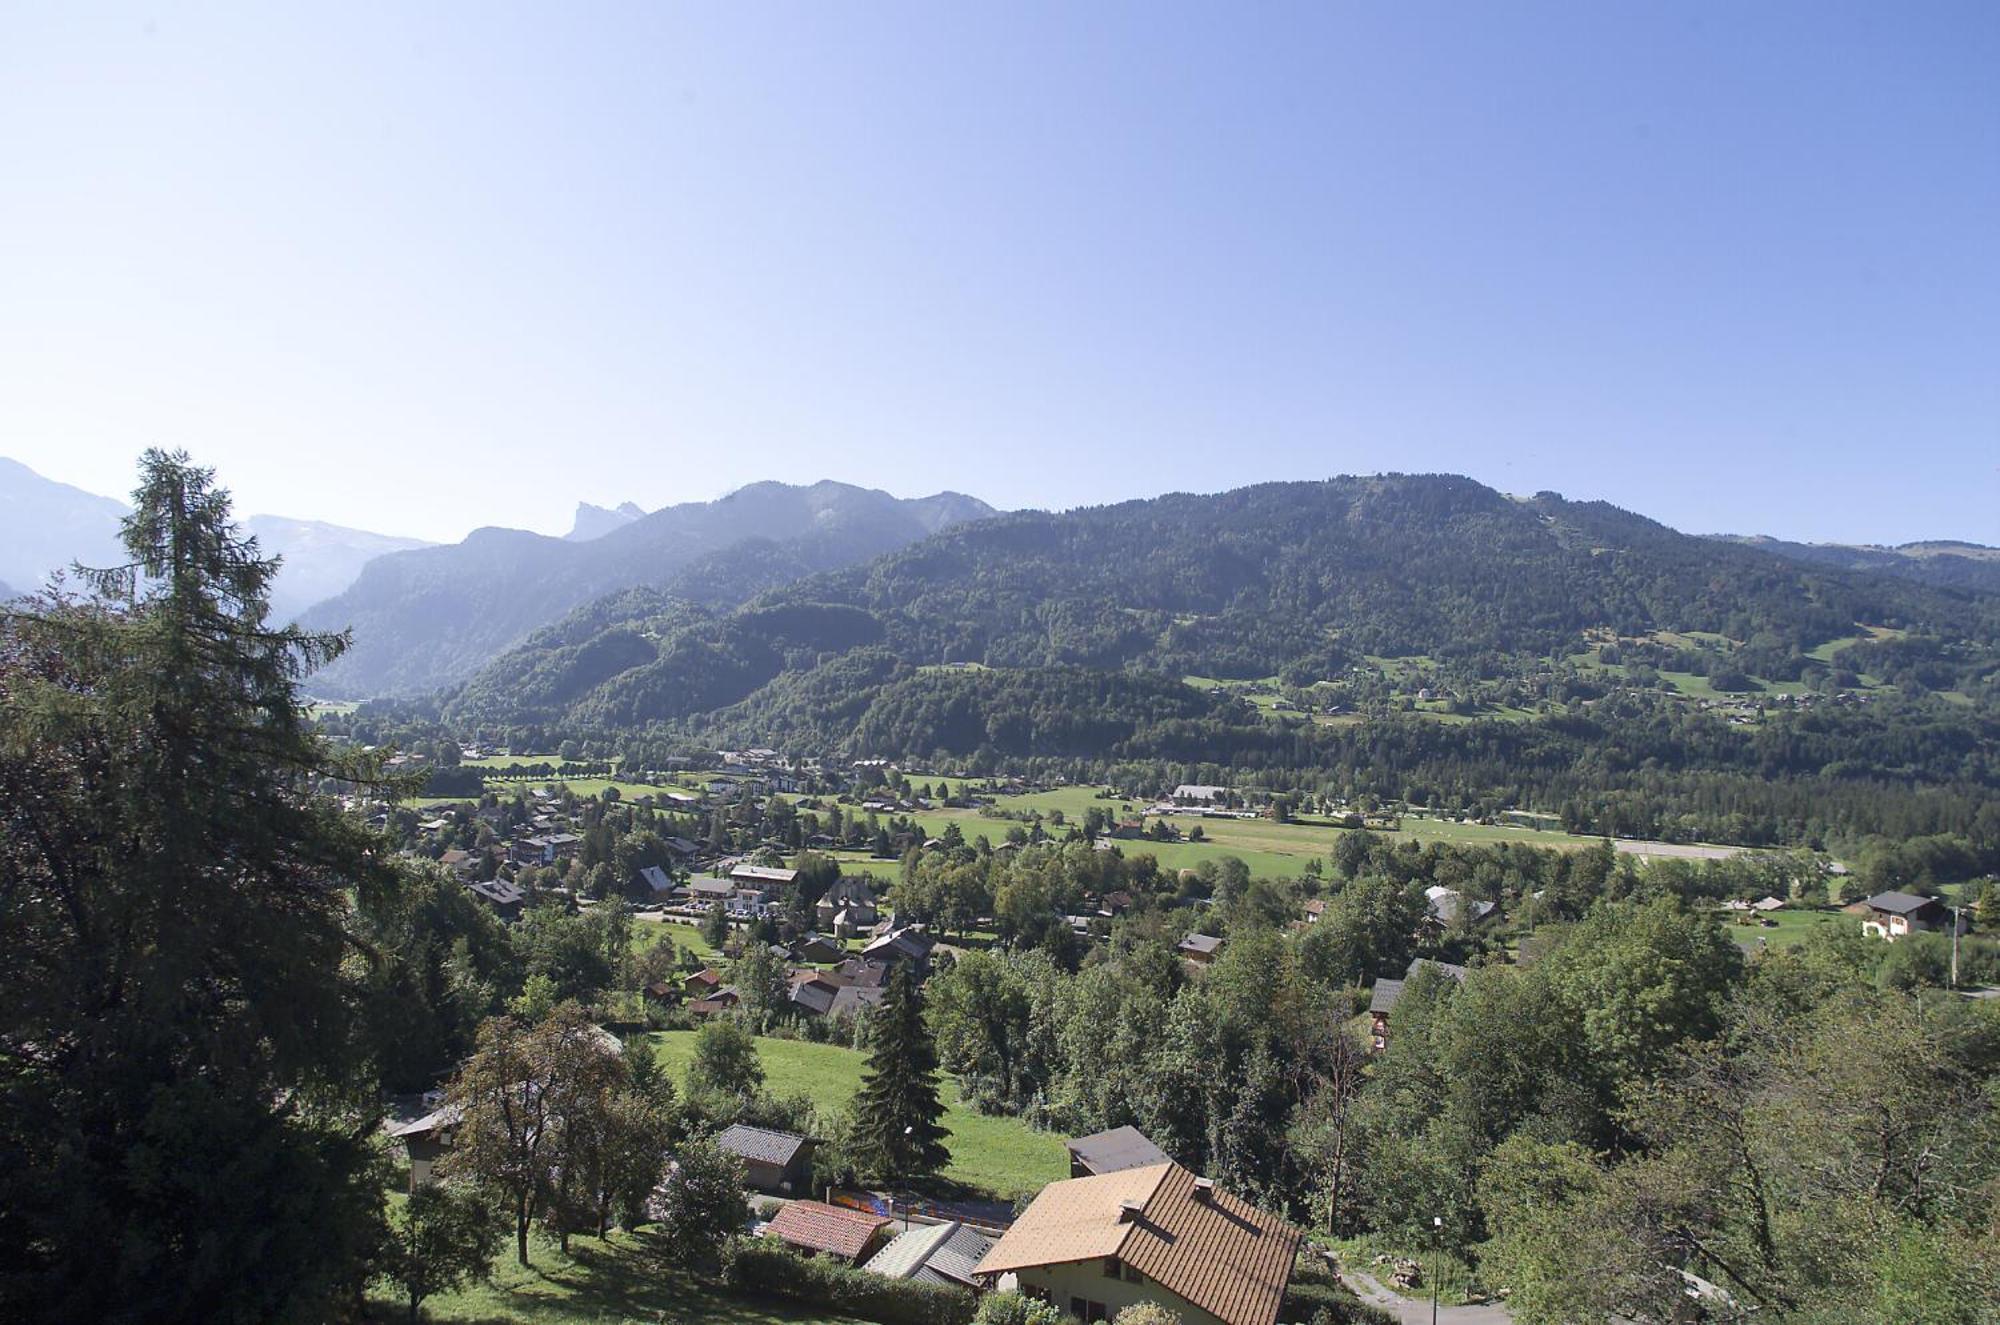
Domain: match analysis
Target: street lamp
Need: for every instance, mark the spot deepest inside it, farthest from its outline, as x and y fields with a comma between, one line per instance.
x=1437, y=1255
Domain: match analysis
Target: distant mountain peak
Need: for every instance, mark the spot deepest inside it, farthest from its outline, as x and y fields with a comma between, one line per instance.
x=593, y=521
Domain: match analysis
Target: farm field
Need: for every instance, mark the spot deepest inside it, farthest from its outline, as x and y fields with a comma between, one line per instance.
x=1002, y=1156
x=601, y=1281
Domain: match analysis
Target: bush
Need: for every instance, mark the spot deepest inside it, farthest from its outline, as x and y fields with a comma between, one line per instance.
x=1306, y=1301
x=1017, y=1309
x=755, y=1265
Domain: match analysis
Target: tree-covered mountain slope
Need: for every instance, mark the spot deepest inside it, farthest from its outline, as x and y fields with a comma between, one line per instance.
x=1302, y=583
x=1943, y=562
x=432, y=617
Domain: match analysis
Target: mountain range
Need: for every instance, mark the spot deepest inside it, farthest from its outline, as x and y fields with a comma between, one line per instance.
x=46, y=526
x=435, y=616
x=1302, y=583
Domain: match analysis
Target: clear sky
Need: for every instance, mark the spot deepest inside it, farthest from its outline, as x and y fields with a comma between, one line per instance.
x=420, y=267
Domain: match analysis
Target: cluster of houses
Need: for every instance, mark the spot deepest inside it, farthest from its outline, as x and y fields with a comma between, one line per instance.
x=827, y=982
x=1128, y=1226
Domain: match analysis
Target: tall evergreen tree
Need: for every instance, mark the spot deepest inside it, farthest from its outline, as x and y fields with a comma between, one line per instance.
x=897, y=1111
x=185, y=1121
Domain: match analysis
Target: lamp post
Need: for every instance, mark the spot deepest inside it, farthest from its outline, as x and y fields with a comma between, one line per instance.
x=1437, y=1253
x=1955, y=923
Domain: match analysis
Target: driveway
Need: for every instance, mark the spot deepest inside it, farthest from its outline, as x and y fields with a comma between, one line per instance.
x=1412, y=1311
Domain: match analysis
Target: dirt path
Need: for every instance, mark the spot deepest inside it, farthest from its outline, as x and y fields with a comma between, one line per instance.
x=1412, y=1311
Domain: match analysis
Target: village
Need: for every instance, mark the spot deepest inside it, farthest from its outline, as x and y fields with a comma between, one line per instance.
x=783, y=901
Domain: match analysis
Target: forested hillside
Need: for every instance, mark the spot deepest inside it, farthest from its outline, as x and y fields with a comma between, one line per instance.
x=435, y=616
x=1394, y=636
x=1951, y=564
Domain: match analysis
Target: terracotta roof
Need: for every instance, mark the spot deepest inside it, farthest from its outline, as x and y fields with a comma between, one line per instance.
x=1212, y=1250
x=816, y=1226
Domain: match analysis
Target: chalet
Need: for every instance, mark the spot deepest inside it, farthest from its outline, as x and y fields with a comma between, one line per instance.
x=778, y=1163
x=1114, y=1151
x=1768, y=904
x=1315, y=911
x=1389, y=992
x=505, y=898
x=459, y=862
x=853, y=1000
x=863, y=972
x=849, y=892
x=1200, y=948
x=426, y=1139
x=818, y=948
x=832, y=1231
x=705, y=890
x=763, y=878
x=815, y=996
x=901, y=946
x=682, y=849
x=552, y=847
x=722, y=1000
x=1094, y=1246
x=1892, y=915
x=933, y=1253
x=1445, y=904
x=655, y=882
x=702, y=983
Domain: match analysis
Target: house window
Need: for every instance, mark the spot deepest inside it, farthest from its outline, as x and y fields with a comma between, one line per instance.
x=1110, y=1267
x=1132, y=1276
x=1088, y=1311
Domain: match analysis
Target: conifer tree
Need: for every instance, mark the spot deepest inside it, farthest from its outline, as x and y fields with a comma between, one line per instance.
x=897, y=1111
x=185, y=1112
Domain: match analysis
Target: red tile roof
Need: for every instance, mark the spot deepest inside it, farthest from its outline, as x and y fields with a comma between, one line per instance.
x=816, y=1226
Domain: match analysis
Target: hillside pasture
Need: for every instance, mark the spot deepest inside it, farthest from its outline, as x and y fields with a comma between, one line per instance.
x=1002, y=1157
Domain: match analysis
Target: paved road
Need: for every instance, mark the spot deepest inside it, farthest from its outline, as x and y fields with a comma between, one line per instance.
x=1411, y=1311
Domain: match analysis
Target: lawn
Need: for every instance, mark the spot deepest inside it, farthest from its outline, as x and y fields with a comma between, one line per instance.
x=1002, y=1156
x=598, y=1283
x=1791, y=930
x=647, y=933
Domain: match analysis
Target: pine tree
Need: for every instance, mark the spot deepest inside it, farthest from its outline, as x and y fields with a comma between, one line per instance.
x=897, y=1112
x=185, y=1111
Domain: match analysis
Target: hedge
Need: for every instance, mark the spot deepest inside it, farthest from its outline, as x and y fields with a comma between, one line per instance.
x=759, y=1265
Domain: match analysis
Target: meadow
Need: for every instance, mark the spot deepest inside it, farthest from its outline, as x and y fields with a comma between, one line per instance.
x=615, y=1279
x=1002, y=1157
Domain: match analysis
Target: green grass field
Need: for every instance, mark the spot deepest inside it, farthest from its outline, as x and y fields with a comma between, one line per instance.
x=1003, y=1156
x=1790, y=931
x=649, y=933
x=618, y=1279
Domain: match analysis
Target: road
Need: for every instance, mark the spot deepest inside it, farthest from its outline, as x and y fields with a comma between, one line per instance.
x=1411, y=1311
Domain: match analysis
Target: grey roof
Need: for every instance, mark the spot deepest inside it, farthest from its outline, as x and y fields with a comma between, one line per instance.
x=1901, y=904
x=499, y=892
x=761, y=1144
x=449, y=1115
x=1448, y=968
x=1203, y=943
x=937, y=1253
x=814, y=997
x=1386, y=994
x=656, y=879
x=1116, y=1150
x=850, y=999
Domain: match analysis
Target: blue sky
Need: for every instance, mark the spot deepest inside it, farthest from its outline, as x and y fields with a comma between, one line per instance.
x=424, y=267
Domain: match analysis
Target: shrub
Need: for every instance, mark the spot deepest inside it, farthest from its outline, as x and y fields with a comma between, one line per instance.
x=1017, y=1309
x=1306, y=1299
x=758, y=1266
